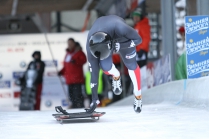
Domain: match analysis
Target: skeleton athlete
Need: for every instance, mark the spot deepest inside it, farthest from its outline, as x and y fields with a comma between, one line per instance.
x=111, y=34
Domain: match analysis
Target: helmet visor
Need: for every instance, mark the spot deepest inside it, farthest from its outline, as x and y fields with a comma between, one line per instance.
x=101, y=51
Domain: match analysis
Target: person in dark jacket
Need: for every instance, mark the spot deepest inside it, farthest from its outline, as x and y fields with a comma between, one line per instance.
x=73, y=73
x=39, y=66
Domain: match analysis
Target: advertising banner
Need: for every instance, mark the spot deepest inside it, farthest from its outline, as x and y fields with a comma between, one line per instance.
x=197, y=45
x=158, y=72
x=143, y=71
x=15, y=55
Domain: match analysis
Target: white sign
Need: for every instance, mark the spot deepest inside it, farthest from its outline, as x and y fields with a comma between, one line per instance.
x=15, y=55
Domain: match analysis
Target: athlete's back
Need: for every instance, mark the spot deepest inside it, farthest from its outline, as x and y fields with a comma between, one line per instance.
x=116, y=27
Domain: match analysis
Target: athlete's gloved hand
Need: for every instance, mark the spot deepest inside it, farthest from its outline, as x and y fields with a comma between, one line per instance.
x=116, y=47
x=93, y=106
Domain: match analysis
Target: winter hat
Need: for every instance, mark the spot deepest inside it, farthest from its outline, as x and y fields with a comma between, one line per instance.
x=137, y=12
x=36, y=53
x=181, y=29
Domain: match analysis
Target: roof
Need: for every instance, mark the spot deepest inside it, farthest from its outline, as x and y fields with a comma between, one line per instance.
x=33, y=6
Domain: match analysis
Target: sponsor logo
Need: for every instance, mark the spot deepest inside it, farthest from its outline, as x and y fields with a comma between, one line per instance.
x=5, y=84
x=117, y=47
x=203, y=31
x=48, y=103
x=195, y=68
x=132, y=44
x=10, y=50
x=22, y=64
x=194, y=47
x=16, y=94
x=64, y=102
x=93, y=84
x=1, y=75
x=49, y=63
x=193, y=26
x=131, y=55
x=17, y=75
x=5, y=95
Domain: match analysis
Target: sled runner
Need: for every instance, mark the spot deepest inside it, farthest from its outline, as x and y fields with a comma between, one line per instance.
x=63, y=115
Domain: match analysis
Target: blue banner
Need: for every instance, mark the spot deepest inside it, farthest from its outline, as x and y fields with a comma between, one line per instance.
x=17, y=75
x=5, y=84
x=197, y=46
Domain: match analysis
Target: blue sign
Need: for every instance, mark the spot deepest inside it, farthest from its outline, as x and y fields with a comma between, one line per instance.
x=64, y=102
x=50, y=63
x=17, y=75
x=197, y=46
x=5, y=84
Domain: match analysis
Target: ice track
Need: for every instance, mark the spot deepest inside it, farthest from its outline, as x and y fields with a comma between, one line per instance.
x=177, y=110
x=161, y=121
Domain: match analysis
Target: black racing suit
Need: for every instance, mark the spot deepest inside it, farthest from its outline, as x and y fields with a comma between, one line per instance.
x=120, y=32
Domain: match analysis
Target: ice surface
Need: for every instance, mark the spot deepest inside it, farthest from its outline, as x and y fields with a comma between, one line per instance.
x=157, y=121
x=176, y=110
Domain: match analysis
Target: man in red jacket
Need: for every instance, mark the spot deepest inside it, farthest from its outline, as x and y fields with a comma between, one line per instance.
x=73, y=72
x=141, y=25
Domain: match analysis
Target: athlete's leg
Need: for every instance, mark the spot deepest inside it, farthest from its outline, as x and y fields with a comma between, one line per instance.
x=109, y=68
x=129, y=58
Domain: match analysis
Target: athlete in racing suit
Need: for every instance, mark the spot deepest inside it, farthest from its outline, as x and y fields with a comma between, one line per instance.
x=111, y=34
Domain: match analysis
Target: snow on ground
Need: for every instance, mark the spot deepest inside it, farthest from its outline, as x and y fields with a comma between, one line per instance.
x=159, y=121
x=176, y=110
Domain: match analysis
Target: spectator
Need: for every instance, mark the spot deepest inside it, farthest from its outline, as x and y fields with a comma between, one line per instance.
x=141, y=25
x=39, y=66
x=73, y=72
x=182, y=33
x=180, y=67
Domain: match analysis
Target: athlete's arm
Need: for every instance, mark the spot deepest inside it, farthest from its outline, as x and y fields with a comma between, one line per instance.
x=128, y=32
x=94, y=70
